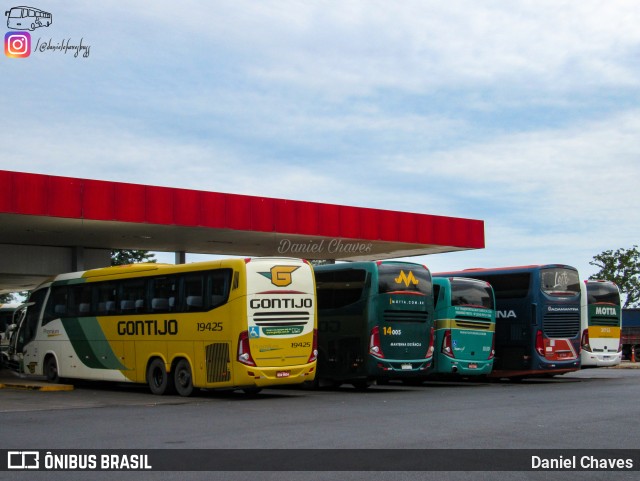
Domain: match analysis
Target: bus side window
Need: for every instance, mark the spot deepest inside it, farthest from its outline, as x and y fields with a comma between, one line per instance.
x=106, y=299
x=436, y=295
x=163, y=293
x=79, y=303
x=219, y=286
x=56, y=305
x=192, y=299
x=131, y=296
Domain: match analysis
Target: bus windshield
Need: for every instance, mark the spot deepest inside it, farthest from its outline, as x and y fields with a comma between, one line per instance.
x=603, y=293
x=398, y=279
x=471, y=293
x=560, y=282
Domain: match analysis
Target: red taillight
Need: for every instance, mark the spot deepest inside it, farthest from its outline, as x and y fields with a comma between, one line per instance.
x=431, y=347
x=314, y=351
x=540, y=343
x=585, y=340
x=244, y=351
x=493, y=347
x=446, y=344
x=375, y=349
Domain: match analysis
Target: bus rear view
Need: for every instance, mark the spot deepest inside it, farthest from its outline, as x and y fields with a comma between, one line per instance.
x=375, y=322
x=465, y=326
x=600, y=316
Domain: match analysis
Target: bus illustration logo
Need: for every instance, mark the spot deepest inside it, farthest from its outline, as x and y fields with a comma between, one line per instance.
x=280, y=275
x=23, y=460
x=17, y=44
x=27, y=18
x=406, y=279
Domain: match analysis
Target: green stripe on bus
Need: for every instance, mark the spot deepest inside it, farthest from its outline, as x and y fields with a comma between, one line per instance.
x=90, y=344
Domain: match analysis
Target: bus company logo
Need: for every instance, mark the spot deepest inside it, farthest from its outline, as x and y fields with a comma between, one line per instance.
x=23, y=460
x=406, y=279
x=27, y=18
x=17, y=44
x=606, y=311
x=280, y=276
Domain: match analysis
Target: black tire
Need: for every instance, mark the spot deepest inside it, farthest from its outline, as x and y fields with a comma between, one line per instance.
x=252, y=391
x=50, y=370
x=157, y=377
x=183, y=380
x=414, y=381
x=361, y=384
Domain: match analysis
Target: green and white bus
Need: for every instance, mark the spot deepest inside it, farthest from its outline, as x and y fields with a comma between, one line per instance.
x=226, y=324
x=465, y=324
x=375, y=322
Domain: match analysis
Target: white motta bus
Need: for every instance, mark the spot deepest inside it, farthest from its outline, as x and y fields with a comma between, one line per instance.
x=600, y=321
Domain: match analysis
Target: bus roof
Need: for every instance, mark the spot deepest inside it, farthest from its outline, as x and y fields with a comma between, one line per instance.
x=531, y=267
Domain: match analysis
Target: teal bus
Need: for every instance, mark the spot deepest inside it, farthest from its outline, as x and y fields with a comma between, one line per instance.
x=375, y=322
x=537, y=319
x=465, y=324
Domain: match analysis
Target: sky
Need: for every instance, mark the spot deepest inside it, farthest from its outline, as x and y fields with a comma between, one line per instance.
x=523, y=114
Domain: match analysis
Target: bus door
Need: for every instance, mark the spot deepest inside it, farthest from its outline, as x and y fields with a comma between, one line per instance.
x=25, y=349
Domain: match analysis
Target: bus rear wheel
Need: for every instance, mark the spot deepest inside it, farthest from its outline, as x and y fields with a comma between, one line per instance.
x=51, y=370
x=183, y=378
x=157, y=377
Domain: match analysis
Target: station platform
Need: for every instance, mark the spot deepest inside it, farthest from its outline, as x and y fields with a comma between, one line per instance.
x=12, y=380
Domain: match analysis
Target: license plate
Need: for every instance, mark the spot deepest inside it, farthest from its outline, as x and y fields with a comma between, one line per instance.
x=283, y=373
x=606, y=358
x=562, y=355
x=473, y=366
x=406, y=366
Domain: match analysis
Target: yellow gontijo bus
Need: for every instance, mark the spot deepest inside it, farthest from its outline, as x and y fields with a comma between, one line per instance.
x=229, y=324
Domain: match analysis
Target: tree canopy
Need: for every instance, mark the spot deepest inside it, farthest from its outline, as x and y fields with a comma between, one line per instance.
x=121, y=257
x=621, y=266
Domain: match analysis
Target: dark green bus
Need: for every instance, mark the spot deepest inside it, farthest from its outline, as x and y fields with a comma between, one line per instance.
x=375, y=322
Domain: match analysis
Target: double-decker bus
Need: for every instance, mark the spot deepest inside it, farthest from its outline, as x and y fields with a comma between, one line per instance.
x=27, y=18
x=601, y=320
x=225, y=324
x=375, y=322
x=465, y=324
x=537, y=318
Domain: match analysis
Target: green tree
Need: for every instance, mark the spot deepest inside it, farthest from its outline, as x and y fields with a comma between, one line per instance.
x=621, y=266
x=121, y=257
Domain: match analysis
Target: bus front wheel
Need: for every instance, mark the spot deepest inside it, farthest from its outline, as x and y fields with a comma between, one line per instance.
x=183, y=378
x=158, y=378
x=51, y=369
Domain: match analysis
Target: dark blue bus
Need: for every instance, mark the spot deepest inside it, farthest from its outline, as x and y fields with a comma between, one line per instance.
x=537, y=318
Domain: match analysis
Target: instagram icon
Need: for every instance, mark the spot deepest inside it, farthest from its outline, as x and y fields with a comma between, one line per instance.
x=17, y=44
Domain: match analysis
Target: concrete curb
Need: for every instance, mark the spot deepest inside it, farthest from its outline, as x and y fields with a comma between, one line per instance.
x=10, y=380
x=36, y=387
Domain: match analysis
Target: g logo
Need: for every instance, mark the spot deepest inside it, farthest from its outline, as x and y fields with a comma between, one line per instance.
x=280, y=276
